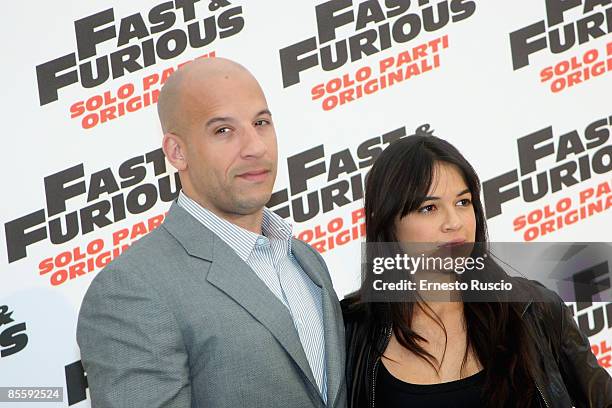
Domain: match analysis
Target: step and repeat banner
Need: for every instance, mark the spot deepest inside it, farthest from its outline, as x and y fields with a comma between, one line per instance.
x=522, y=88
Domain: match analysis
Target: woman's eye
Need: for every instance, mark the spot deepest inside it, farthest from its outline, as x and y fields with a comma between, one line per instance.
x=427, y=208
x=465, y=202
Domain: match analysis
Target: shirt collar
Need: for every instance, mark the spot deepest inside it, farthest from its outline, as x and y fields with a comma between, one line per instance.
x=242, y=241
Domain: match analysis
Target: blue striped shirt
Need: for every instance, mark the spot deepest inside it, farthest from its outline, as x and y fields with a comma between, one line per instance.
x=270, y=257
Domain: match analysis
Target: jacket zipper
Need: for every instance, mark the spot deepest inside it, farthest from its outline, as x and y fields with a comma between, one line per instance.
x=535, y=382
x=541, y=395
x=374, y=370
x=374, y=382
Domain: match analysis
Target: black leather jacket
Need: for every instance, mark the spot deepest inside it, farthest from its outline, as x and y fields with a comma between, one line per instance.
x=572, y=376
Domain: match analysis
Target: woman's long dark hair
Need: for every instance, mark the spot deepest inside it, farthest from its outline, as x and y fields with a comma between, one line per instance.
x=496, y=332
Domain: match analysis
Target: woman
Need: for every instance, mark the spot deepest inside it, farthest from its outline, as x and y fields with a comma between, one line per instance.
x=456, y=354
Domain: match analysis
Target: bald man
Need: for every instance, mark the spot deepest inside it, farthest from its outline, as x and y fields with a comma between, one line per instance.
x=220, y=306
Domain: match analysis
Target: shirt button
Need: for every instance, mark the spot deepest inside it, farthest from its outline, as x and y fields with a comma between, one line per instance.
x=262, y=241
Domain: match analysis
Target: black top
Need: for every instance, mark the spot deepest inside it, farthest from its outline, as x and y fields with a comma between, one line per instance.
x=394, y=393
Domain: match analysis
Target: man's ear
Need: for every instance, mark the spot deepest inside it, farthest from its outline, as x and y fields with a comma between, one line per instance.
x=174, y=148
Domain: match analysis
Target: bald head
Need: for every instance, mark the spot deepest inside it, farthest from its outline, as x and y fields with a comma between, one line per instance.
x=219, y=135
x=185, y=90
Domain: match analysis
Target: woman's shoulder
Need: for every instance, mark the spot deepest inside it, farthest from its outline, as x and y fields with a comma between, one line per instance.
x=546, y=308
x=536, y=291
x=352, y=308
x=358, y=320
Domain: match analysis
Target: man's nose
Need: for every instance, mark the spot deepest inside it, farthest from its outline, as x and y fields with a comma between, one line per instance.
x=253, y=144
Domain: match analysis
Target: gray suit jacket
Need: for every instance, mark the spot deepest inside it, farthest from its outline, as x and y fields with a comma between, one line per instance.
x=180, y=320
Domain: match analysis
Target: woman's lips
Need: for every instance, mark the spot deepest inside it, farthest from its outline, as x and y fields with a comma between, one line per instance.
x=452, y=243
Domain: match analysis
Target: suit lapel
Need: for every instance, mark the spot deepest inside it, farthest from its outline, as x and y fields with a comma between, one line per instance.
x=230, y=274
x=333, y=325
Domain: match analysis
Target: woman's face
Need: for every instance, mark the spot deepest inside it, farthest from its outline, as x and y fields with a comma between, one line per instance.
x=445, y=216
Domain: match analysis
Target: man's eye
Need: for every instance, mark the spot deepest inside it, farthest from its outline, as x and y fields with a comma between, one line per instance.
x=222, y=130
x=262, y=122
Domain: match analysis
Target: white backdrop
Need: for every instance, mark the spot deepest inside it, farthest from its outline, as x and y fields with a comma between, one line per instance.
x=342, y=79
